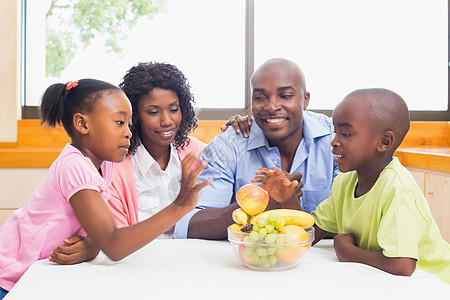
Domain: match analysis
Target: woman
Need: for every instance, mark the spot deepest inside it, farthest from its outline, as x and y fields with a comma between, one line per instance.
x=163, y=116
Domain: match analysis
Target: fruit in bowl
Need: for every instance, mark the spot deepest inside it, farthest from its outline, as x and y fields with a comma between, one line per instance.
x=271, y=244
x=252, y=198
x=295, y=248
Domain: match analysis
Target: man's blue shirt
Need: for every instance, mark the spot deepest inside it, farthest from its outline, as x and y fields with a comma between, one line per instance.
x=233, y=160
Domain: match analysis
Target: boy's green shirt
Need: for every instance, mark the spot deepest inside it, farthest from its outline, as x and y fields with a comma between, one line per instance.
x=393, y=216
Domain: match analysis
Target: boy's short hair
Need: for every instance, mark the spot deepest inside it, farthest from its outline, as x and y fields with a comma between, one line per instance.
x=388, y=111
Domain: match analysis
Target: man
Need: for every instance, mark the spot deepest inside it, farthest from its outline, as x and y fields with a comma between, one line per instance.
x=284, y=136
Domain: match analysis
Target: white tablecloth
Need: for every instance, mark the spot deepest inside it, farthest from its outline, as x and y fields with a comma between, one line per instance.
x=199, y=269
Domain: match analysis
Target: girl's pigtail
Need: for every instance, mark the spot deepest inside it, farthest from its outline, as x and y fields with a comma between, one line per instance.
x=52, y=105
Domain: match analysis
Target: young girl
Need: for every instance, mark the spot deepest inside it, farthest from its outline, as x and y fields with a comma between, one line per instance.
x=149, y=178
x=71, y=199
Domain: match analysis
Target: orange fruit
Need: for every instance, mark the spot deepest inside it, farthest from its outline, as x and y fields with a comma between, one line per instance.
x=245, y=258
x=292, y=253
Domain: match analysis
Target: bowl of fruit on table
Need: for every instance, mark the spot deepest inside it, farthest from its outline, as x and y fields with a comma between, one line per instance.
x=269, y=243
x=268, y=240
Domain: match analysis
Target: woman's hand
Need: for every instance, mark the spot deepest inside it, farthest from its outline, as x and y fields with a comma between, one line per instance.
x=77, y=249
x=240, y=124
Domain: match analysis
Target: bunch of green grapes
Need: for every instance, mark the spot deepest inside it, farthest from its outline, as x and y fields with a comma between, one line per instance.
x=264, y=236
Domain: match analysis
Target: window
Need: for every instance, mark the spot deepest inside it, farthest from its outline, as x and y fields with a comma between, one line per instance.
x=341, y=46
x=344, y=45
x=203, y=38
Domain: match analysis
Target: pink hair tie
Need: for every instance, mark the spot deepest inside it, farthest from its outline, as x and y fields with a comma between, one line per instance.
x=71, y=84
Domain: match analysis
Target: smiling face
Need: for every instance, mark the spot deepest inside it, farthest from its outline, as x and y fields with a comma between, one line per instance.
x=278, y=101
x=356, y=140
x=159, y=116
x=108, y=124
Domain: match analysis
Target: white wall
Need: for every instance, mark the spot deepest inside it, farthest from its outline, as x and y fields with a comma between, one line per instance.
x=10, y=109
x=17, y=185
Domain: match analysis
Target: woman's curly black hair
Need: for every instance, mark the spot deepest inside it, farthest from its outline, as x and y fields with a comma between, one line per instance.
x=143, y=78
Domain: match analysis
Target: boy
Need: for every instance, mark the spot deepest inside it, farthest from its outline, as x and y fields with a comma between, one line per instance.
x=376, y=208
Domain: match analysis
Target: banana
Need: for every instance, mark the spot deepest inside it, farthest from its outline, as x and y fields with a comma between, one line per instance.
x=239, y=216
x=235, y=227
x=290, y=216
x=235, y=231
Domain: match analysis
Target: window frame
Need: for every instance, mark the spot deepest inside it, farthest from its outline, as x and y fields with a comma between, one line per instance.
x=32, y=112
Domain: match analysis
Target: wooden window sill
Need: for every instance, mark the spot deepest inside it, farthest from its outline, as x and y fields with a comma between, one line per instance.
x=38, y=147
x=426, y=157
x=427, y=145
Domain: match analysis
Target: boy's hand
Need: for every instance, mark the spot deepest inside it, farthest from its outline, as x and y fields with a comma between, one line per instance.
x=277, y=183
x=347, y=251
x=342, y=244
x=77, y=249
x=239, y=123
x=345, y=239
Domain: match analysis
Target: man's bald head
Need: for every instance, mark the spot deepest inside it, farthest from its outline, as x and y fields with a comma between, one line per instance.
x=281, y=65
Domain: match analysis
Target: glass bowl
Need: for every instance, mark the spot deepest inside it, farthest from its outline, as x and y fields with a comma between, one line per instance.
x=275, y=253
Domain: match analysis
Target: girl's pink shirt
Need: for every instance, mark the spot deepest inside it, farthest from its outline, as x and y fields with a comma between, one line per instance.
x=123, y=201
x=47, y=218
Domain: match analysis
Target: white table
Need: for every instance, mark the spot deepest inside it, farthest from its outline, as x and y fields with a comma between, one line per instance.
x=198, y=269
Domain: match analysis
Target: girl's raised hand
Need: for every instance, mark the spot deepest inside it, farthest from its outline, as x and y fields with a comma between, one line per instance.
x=277, y=183
x=191, y=170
